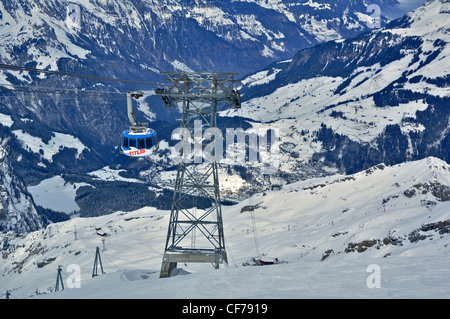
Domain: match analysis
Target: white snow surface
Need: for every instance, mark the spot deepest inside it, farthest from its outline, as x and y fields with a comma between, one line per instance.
x=299, y=224
x=55, y=144
x=54, y=193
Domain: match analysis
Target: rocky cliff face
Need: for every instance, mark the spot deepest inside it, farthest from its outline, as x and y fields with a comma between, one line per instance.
x=17, y=210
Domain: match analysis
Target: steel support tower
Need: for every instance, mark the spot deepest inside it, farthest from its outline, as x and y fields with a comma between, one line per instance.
x=196, y=235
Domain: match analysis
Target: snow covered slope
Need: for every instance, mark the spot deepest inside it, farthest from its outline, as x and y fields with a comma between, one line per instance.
x=327, y=231
x=136, y=40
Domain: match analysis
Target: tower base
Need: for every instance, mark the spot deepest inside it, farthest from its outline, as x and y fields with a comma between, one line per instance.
x=170, y=260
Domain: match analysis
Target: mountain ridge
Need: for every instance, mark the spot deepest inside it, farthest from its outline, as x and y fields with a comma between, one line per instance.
x=17, y=209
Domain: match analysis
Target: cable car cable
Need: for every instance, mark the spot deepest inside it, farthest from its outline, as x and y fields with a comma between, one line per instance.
x=71, y=90
x=94, y=77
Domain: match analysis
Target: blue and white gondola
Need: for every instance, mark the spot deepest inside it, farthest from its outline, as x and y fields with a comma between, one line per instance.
x=139, y=144
x=139, y=140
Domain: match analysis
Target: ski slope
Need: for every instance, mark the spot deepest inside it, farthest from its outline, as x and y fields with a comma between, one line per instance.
x=328, y=232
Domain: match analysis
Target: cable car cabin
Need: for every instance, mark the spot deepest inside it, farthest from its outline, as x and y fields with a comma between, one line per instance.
x=138, y=144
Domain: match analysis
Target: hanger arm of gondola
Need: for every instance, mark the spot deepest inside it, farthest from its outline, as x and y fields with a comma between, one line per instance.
x=131, y=115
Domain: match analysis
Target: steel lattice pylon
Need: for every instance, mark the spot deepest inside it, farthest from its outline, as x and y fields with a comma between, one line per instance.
x=196, y=235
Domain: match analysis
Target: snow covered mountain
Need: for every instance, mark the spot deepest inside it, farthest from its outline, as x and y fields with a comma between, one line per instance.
x=137, y=39
x=379, y=97
x=326, y=231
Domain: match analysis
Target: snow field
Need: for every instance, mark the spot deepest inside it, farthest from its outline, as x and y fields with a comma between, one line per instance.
x=297, y=224
x=56, y=143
